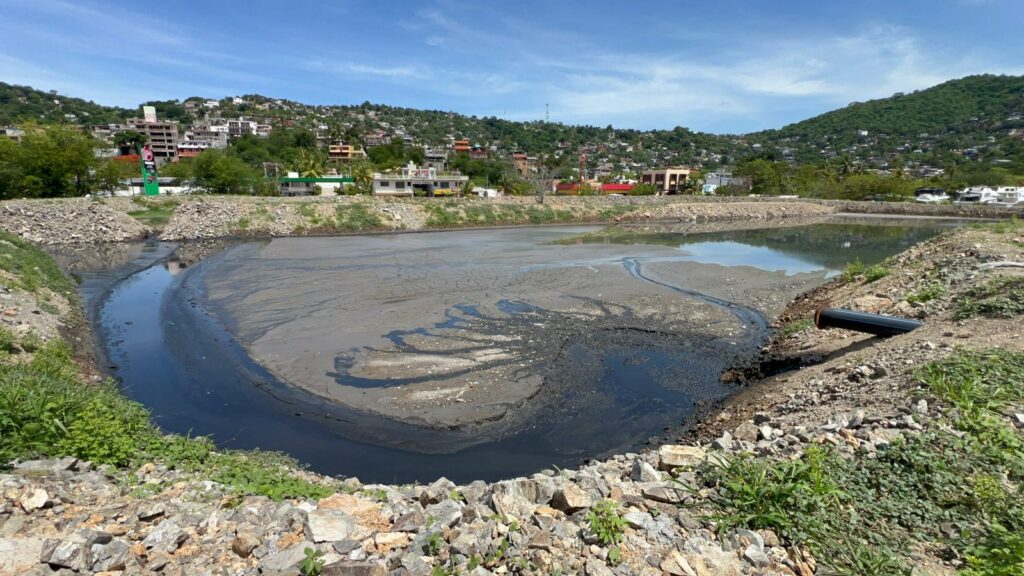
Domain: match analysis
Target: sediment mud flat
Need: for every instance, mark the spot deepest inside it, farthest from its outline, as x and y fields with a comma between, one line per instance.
x=480, y=329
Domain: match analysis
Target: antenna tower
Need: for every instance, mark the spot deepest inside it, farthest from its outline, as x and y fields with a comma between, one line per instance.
x=547, y=115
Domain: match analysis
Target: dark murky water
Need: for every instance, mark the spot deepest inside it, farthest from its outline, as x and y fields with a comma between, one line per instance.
x=198, y=380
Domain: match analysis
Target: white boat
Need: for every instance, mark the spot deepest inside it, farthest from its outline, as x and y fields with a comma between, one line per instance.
x=977, y=195
x=1009, y=196
x=930, y=196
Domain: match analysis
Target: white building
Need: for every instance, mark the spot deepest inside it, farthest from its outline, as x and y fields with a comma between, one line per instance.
x=412, y=179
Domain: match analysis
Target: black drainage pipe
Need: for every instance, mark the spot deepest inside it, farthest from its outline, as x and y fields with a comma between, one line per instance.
x=864, y=322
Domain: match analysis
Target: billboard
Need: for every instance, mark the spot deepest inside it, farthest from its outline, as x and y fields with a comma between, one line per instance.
x=149, y=178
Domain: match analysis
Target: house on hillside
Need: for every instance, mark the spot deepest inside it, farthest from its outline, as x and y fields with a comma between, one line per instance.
x=412, y=179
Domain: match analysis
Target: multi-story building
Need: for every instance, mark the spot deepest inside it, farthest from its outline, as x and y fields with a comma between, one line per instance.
x=192, y=148
x=478, y=153
x=214, y=135
x=524, y=164
x=435, y=158
x=461, y=146
x=240, y=127
x=715, y=180
x=107, y=131
x=412, y=179
x=377, y=139
x=162, y=137
x=667, y=180
x=344, y=152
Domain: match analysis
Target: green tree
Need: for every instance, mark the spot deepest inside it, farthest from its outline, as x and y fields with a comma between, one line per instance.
x=220, y=173
x=110, y=175
x=766, y=177
x=362, y=174
x=50, y=161
x=309, y=163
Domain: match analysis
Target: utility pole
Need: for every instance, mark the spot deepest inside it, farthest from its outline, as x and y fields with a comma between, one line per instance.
x=547, y=115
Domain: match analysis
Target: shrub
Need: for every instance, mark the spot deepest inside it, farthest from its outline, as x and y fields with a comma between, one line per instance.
x=605, y=522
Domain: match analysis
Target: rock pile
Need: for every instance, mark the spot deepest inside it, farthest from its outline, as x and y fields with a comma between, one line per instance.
x=64, y=517
x=69, y=221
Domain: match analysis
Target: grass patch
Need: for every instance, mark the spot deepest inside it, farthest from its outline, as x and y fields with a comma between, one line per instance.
x=308, y=211
x=356, y=216
x=857, y=269
x=865, y=514
x=31, y=268
x=796, y=326
x=1000, y=297
x=1001, y=227
x=153, y=213
x=46, y=411
x=927, y=294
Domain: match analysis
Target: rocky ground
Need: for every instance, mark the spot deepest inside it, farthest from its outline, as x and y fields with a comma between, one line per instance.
x=68, y=221
x=854, y=393
x=92, y=220
x=79, y=221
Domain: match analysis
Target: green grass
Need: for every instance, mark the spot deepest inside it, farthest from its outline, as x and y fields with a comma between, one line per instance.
x=355, y=217
x=47, y=411
x=32, y=269
x=153, y=213
x=1001, y=227
x=927, y=294
x=1000, y=297
x=470, y=213
x=796, y=326
x=865, y=514
x=857, y=269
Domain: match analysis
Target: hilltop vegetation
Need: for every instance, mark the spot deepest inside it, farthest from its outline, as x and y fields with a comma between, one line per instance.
x=955, y=114
x=962, y=132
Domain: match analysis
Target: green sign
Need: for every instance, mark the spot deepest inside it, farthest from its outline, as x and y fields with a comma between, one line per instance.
x=150, y=184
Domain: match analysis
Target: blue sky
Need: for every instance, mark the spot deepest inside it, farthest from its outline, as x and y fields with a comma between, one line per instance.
x=725, y=66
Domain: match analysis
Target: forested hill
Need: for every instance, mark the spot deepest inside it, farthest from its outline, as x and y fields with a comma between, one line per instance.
x=983, y=115
x=955, y=114
x=19, y=104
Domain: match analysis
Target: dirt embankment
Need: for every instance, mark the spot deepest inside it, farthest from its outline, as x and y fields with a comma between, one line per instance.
x=82, y=221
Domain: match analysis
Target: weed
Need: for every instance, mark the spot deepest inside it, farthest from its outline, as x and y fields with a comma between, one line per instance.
x=858, y=269
x=243, y=224
x=434, y=545
x=853, y=270
x=1000, y=297
x=876, y=272
x=927, y=294
x=796, y=326
x=312, y=564
x=605, y=522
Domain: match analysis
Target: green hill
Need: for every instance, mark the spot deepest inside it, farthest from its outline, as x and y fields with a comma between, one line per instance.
x=969, y=118
x=20, y=104
x=955, y=114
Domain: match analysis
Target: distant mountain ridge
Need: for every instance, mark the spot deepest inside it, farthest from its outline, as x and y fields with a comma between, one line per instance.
x=985, y=111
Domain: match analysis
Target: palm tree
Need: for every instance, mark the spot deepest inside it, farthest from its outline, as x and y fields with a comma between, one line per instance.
x=309, y=164
x=362, y=174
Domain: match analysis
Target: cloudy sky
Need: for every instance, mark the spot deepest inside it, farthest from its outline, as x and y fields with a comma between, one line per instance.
x=725, y=66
